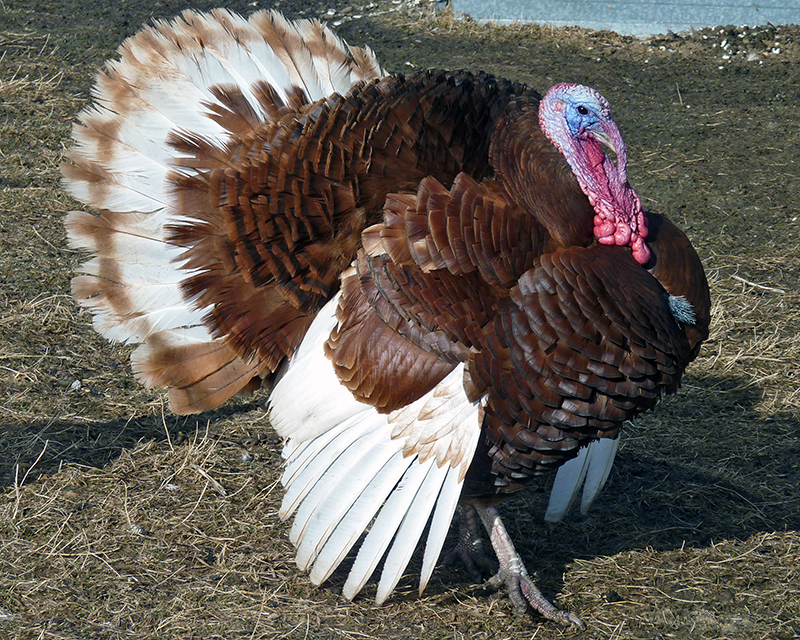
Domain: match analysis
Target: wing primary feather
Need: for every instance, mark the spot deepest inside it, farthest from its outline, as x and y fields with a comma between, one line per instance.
x=298, y=454
x=568, y=482
x=333, y=495
x=601, y=459
x=410, y=530
x=446, y=505
x=589, y=469
x=300, y=480
x=350, y=528
x=384, y=528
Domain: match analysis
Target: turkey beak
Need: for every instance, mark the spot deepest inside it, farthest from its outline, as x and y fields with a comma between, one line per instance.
x=606, y=140
x=609, y=136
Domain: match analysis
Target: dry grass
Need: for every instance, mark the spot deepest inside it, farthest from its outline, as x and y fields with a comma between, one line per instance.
x=754, y=332
x=120, y=520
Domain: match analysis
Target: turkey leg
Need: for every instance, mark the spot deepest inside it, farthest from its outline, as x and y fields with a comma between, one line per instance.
x=521, y=588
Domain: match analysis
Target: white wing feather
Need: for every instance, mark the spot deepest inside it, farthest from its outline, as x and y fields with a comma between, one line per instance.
x=589, y=469
x=602, y=459
x=348, y=465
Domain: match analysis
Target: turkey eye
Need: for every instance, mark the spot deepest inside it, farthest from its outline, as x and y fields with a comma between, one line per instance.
x=583, y=110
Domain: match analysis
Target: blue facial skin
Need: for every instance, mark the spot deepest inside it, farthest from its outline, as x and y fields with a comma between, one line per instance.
x=582, y=116
x=588, y=115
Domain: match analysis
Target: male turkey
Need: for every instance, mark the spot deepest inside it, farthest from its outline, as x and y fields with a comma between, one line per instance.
x=447, y=283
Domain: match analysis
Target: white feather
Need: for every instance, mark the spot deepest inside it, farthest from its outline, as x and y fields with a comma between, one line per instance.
x=132, y=246
x=384, y=529
x=347, y=464
x=440, y=523
x=129, y=227
x=254, y=60
x=184, y=336
x=298, y=455
x=569, y=479
x=176, y=338
x=329, y=404
x=601, y=460
x=408, y=534
x=328, y=503
x=589, y=469
x=139, y=328
x=350, y=528
x=333, y=462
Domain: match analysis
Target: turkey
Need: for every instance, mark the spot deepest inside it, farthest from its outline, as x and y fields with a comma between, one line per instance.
x=446, y=283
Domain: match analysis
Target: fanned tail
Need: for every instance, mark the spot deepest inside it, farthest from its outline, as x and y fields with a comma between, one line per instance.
x=208, y=78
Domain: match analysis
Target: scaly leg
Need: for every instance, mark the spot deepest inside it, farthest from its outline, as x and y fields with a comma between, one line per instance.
x=471, y=546
x=521, y=589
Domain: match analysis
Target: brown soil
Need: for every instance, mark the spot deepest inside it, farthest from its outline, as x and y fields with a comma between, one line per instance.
x=118, y=519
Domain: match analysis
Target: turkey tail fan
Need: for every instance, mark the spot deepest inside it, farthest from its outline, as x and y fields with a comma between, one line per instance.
x=205, y=78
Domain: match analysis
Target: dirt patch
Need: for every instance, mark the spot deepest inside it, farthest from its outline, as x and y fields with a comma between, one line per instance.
x=118, y=519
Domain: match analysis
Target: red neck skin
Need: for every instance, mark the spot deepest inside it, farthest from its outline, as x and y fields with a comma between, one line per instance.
x=619, y=219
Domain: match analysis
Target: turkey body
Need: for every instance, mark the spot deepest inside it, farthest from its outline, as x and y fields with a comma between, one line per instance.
x=421, y=267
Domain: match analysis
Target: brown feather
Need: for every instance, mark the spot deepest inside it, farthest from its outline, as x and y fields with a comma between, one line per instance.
x=550, y=365
x=536, y=177
x=676, y=265
x=274, y=222
x=200, y=376
x=374, y=358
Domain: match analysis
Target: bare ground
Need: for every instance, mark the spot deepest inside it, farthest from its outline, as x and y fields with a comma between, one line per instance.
x=120, y=520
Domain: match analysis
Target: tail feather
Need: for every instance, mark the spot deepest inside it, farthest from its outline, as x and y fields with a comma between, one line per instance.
x=95, y=180
x=130, y=285
x=133, y=238
x=200, y=81
x=200, y=374
x=314, y=57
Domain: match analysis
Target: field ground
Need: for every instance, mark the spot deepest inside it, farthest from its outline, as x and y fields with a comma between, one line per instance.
x=121, y=520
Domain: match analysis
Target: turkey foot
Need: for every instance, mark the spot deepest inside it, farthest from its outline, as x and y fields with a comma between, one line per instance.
x=513, y=574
